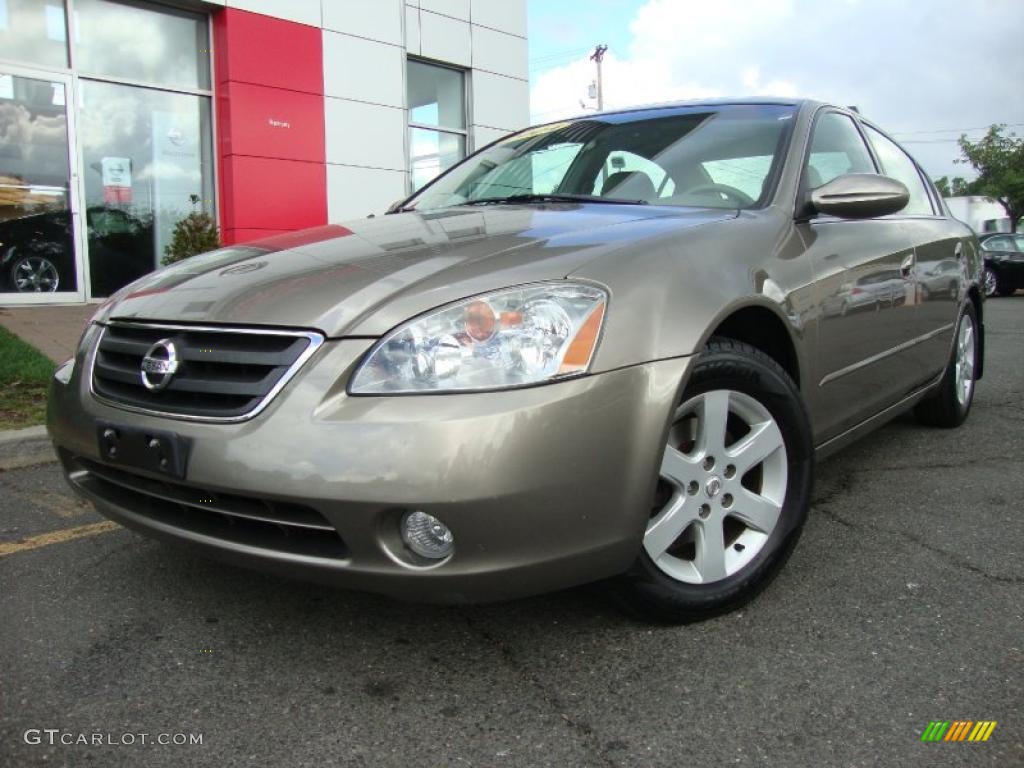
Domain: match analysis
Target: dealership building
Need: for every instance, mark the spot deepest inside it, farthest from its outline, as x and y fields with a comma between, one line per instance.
x=119, y=118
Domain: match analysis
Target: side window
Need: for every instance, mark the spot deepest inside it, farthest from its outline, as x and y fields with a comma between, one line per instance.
x=897, y=164
x=836, y=150
x=997, y=244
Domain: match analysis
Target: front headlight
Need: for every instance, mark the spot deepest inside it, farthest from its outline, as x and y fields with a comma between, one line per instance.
x=511, y=338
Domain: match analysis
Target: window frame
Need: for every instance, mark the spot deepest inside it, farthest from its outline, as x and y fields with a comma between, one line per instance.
x=411, y=125
x=75, y=76
x=937, y=211
x=802, y=190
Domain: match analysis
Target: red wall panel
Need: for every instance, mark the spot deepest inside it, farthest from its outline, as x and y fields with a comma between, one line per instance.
x=270, y=125
x=236, y=236
x=267, y=51
x=270, y=122
x=266, y=193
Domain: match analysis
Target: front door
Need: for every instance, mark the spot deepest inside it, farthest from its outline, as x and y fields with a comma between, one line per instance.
x=865, y=279
x=39, y=221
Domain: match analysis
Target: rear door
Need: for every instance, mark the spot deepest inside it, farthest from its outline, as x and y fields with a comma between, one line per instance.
x=865, y=291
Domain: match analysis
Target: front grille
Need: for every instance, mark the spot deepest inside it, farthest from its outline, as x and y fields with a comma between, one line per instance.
x=262, y=523
x=223, y=374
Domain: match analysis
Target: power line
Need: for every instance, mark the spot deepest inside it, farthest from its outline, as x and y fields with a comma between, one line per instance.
x=929, y=141
x=559, y=55
x=954, y=130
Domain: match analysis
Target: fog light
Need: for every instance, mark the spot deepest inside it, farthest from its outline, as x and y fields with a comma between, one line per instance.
x=426, y=535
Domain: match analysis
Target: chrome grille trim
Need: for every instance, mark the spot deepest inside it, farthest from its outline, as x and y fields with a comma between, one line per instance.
x=314, y=338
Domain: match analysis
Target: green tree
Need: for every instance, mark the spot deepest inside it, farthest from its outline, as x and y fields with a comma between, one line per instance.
x=194, y=234
x=955, y=187
x=999, y=161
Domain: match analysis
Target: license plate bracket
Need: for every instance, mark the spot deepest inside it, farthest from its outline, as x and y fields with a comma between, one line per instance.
x=164, y=453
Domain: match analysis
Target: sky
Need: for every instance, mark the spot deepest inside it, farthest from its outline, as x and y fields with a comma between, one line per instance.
x=924, y=70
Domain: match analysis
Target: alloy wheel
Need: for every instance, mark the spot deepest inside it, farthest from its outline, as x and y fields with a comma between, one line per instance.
x=965, y=360
x=35, y=274
x=722, y=485
x=991, y=284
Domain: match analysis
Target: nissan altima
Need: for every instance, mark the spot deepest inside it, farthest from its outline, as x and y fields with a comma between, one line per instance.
x=602, y=349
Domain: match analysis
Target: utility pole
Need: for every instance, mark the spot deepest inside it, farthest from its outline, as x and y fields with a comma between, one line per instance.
x=597, y=56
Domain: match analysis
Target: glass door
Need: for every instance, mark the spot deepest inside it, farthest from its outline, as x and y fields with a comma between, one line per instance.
x=39, y=227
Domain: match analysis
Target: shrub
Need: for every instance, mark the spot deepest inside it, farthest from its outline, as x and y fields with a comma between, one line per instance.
x=194, y=234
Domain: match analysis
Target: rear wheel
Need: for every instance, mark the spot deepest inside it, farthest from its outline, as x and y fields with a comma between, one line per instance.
x=991, y=282
x=949, y=405
x=733, y=492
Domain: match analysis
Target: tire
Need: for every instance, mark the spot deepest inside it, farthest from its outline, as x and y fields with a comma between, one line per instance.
x=34, y=273
x=949, y=405
x=990, y=281
x=672, y=580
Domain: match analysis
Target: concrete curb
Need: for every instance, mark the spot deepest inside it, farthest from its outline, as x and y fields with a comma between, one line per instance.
x=9, y=436
x=19, y=445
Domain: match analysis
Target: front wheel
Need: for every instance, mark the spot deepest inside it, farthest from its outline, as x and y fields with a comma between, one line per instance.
x=34, y=274
x=733, y=492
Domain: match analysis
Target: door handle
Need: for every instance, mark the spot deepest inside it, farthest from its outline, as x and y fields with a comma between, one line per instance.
x=907, y=264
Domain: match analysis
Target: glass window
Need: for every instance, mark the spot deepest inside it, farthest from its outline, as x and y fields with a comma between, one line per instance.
x=747, y=174
x=436, y=96
x=165, y=47
x=145, y=153
x=36, y=252
x=437, y=117
x=34, y=32
x=688, y=156
x=836, y=150
x=548, y=167
x=998, y=244
x=630, y=163
x=897, y=164
x=433, y=152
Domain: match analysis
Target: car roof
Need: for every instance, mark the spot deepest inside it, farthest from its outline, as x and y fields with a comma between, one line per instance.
x=638, y=109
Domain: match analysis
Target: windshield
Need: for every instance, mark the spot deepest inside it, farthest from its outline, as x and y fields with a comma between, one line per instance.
x=712, y=157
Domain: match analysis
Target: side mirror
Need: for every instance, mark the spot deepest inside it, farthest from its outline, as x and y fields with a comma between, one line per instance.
x=860, y=196
x=396, y=206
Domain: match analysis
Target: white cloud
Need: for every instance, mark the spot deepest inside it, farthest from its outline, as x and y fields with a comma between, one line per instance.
x=911, y=66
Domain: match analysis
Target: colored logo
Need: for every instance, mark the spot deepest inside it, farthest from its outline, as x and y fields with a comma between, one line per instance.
x=958, y=730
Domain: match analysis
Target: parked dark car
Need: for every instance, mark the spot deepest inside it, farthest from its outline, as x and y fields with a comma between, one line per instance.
x=595, y=348
x=36, y=253
x=37, y=256
x=1004, y=262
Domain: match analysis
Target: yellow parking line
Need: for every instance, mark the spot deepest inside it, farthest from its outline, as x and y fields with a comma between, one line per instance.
x=56, y=537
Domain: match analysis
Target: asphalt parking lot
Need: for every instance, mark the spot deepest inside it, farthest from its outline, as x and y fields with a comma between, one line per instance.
x=901, y=605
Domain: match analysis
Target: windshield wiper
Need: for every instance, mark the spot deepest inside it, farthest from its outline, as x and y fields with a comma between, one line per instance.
x=550, y=197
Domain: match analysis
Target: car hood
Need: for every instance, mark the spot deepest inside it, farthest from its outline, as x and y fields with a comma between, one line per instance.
x=364, y=278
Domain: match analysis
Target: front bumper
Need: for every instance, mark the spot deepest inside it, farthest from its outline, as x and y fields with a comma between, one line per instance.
x=543, y=487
